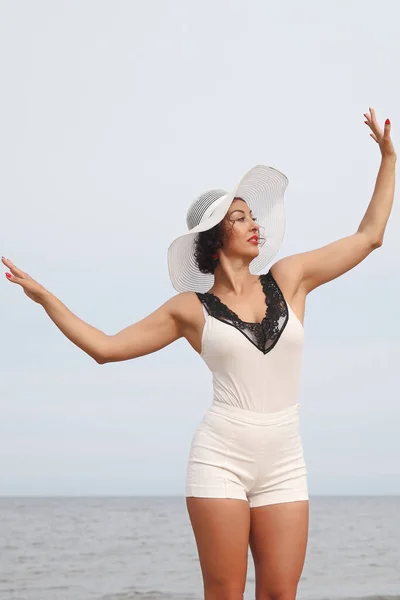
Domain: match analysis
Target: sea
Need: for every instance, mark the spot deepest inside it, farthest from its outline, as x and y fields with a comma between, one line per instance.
x=137, y=548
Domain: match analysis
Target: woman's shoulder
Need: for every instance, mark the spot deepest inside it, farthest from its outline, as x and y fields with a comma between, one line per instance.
x=184, y=305
x=285, y=272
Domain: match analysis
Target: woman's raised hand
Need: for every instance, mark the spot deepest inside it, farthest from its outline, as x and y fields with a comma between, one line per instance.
x=381, y=137
x=32, y=288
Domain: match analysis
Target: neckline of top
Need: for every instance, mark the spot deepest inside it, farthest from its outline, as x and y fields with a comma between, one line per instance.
x=261, y=279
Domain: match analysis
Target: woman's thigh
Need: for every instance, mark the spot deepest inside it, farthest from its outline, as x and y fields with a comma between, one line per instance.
x=221, y=528
x=278, y=542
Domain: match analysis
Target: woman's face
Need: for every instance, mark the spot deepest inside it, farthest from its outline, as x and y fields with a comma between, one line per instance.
x=241, y=231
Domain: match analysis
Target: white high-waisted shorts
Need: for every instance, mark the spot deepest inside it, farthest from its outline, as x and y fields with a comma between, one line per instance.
x=246, y=455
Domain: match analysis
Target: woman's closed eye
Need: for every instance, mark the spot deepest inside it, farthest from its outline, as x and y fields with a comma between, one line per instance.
x=244, y=218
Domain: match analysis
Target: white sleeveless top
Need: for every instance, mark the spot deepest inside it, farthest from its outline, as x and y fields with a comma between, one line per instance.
x=255, y=366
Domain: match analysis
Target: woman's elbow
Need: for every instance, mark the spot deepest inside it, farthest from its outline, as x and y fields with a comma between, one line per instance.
x=105, y=353
x=114, y=350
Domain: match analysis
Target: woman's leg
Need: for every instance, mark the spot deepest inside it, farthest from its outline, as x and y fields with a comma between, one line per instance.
x=278, y=542
x=221, y=527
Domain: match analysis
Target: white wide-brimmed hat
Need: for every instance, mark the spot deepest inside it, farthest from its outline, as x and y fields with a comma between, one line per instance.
x=263, y=189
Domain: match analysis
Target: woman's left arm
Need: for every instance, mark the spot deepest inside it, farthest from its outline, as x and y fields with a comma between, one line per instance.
x=308, y=270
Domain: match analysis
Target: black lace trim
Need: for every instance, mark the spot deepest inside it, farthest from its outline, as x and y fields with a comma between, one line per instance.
x=263, y=335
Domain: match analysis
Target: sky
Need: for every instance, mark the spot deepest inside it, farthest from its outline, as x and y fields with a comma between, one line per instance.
x=115, y=116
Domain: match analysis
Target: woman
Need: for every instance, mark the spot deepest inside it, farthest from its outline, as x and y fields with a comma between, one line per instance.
x=246, y=478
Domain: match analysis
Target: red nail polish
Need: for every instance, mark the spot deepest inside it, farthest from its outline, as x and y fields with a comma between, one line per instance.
x=387, y=122
x=8, y=275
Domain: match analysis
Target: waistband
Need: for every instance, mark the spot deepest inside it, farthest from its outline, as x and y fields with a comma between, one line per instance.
x=249, y=416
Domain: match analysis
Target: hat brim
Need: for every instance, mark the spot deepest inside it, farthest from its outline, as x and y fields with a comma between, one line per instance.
x=263, y=189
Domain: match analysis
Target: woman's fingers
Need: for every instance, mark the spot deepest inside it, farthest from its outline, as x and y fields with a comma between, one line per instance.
x=373, y=135
x=373, y=125
x=373, y=119
x=380, y=135
x=13, y=278
x=370, y=116
x=14, y=270
x=32, y=288
x=7, y=263
x=373, y=115
x=375, y=131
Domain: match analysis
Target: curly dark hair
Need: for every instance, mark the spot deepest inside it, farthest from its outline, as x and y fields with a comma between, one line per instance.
x=207, y=243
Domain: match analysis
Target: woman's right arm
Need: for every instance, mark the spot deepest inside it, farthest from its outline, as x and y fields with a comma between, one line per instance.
x=157, y=330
